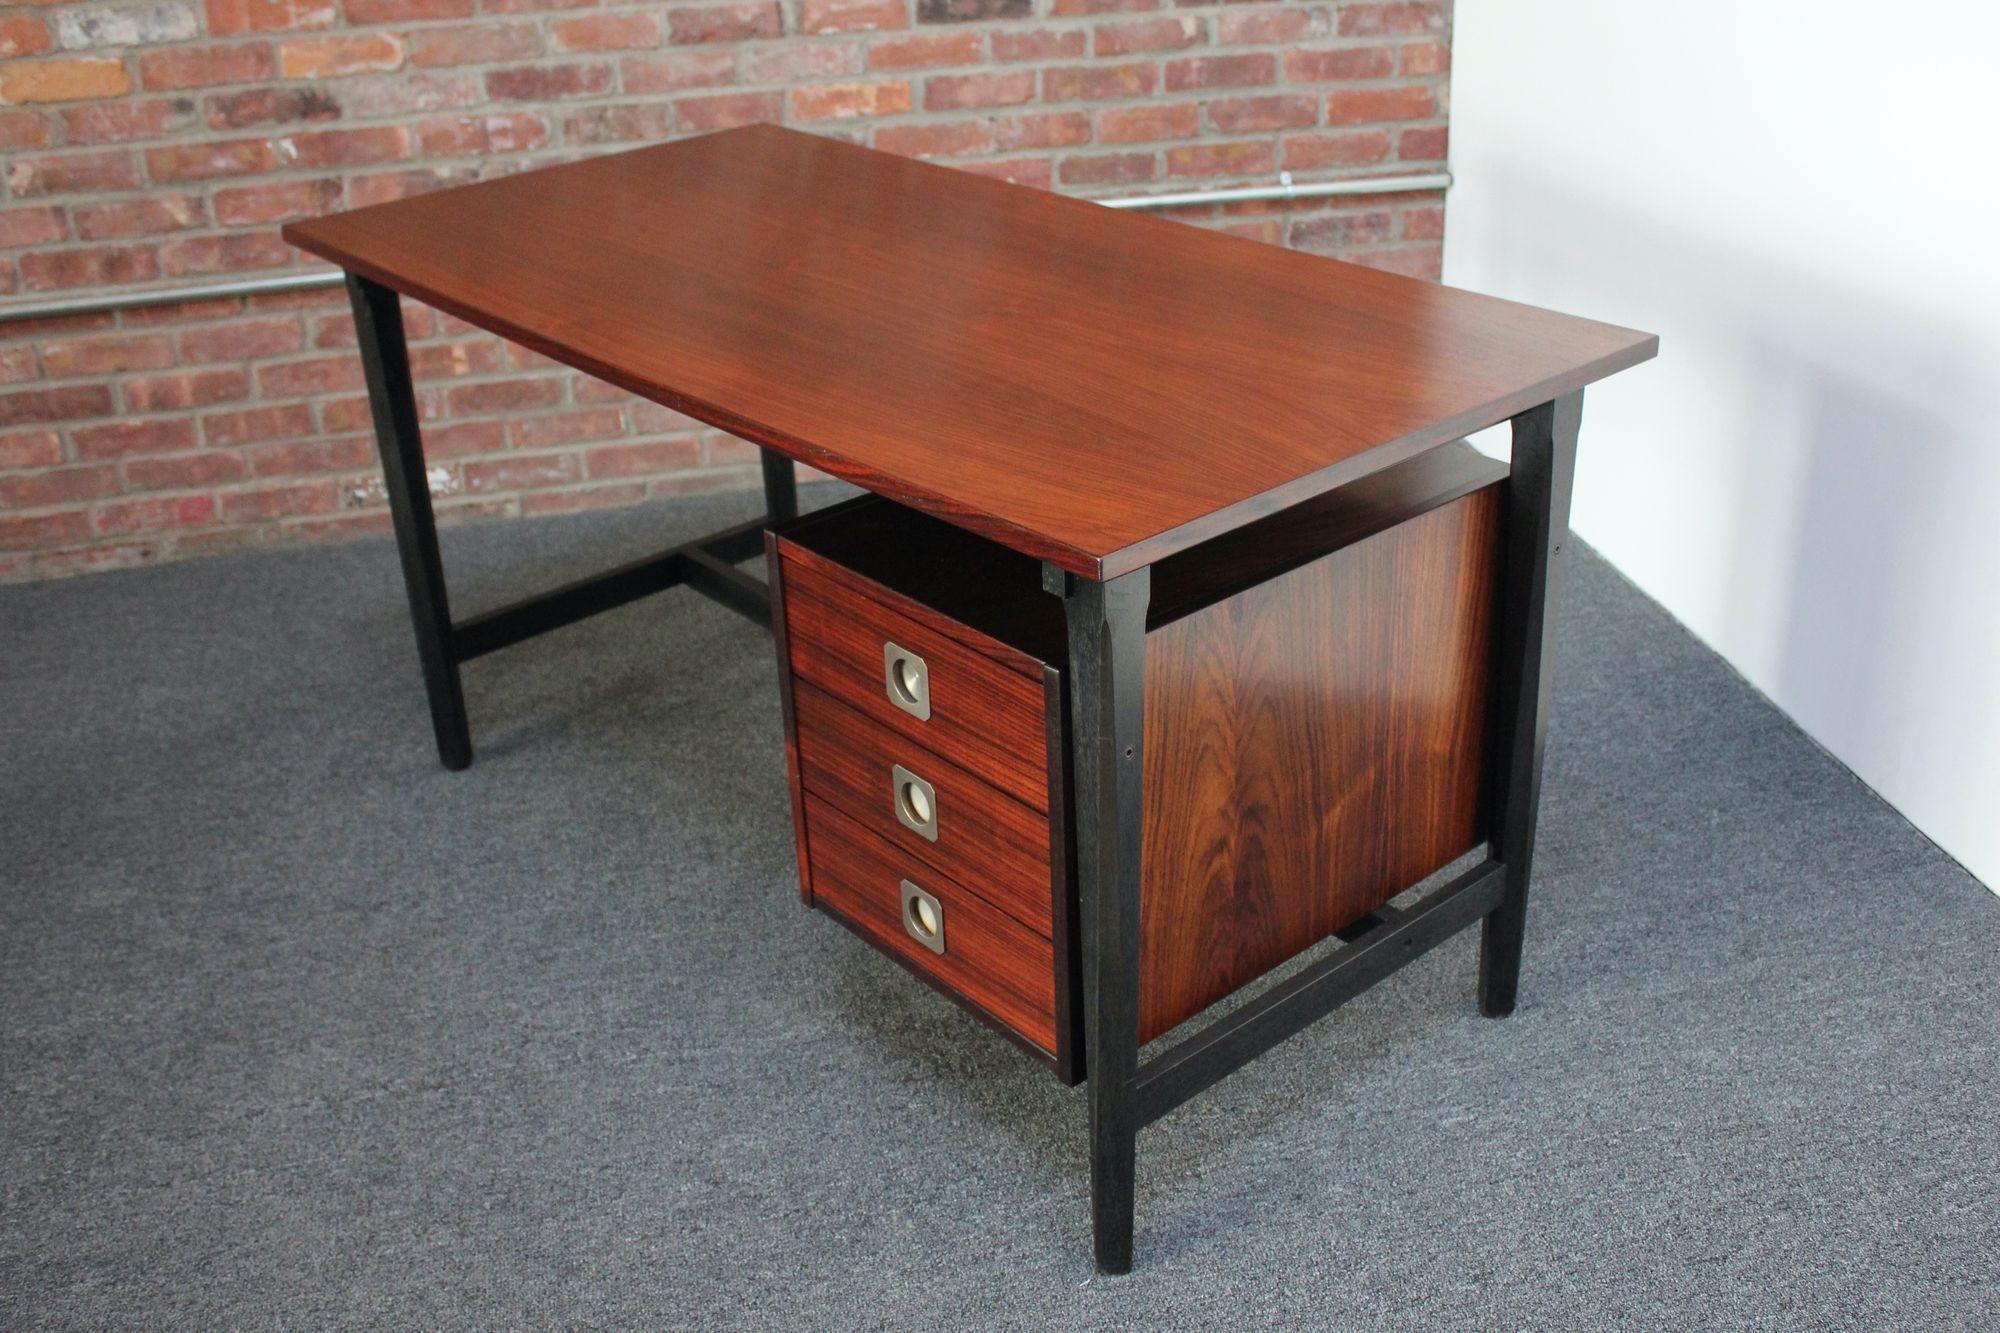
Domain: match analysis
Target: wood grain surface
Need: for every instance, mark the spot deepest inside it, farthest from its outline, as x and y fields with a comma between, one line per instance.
x=1091, y=387
x=1314, y=745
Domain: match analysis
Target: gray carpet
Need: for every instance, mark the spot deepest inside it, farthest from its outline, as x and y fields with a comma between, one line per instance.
x=302, y=1031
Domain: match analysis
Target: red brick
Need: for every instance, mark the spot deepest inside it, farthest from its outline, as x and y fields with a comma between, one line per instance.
x=347, y=148
x=948, y=140
x=184, y=473
x=194, y=388
x=263, y=506
x=106, y=355
x=1424, y=224
x=31, y=226
x=792, y=61
x=597, y=423
x=1036, y=172
x=682, y=69
x=298, y=379
x=224, y=254
x=23, y=129
x=1045, y=129
x=463, y=439
x=1146, y=124
x=39, y=532
x=633, y=122
x=231, y=18
x=257, y=423
x=62, y=80
x=954, y=92
x=30, y=448
x=1136, y=35
x=17, y=364
x=458, y=135
x=1245, y=115
x=972, y=11
x=1425, y=145
x=473, y=44
x=836, y=101
x=260, y=205
x=45, y=270
x=1221, y=71
x=604, y=32
x=1083, y=83
x=60, y=486
x=472, y=400
x=522, y=473
x=851, y=15
x=63, y=404
x=242, y=341
x=584, y=497
x=656, y=419
x=455, y=360
x=392, y=185
x=1355, y=149
x=1422, y=58
x=1363, y=106
x=1040, y=44
x=313, y=458
x=1067, y=8
x=205, y=161
x=731, y=22
x=1351, y=62
x=931, y=50
x=1109, y=169
x=1269, y=27
x=22, y=35
x=71, y=173
x=233, y=111
x=1342, y=231
x=121, y=122
x=205, y=66
x=336, y=57
x=405, y=11
x=1221, y=159
x=1396, y=19
x=633, y=460
x=539, y=83
x=119, y=439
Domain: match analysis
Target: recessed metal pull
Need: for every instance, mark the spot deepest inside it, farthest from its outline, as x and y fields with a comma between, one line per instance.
x=915, y=801
x=923, y=917
x=908, y=680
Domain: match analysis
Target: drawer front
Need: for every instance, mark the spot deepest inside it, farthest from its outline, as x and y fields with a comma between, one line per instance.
x=977, y=835
x=985, y=958
x=971, y=699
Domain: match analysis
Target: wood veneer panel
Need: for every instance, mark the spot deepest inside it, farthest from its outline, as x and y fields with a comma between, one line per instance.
x=1092, y=387
x=991, y=962
x=1314, y=745
x=986, y=840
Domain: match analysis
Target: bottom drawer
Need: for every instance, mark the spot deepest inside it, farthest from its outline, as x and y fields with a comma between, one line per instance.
x=973, y=952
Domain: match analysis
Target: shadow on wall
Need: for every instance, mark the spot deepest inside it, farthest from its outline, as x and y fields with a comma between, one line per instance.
x=1809, y=478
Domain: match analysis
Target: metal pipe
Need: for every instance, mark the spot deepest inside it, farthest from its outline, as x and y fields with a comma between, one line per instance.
x=314, y=279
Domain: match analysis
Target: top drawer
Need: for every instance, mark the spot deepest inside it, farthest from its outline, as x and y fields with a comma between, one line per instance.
x=970, y=698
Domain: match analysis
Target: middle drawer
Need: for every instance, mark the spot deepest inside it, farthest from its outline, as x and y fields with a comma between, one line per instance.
x=927, y=806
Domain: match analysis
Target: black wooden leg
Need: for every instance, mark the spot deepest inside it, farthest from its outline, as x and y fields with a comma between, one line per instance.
x=1107, y=663
x=378, y=320
x=781, y=487
x=1537, y=529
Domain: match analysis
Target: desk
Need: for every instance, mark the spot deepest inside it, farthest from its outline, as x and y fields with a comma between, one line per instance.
x=1107, y=395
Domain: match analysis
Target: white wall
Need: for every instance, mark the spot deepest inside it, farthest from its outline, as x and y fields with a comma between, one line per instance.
x=1799, y=200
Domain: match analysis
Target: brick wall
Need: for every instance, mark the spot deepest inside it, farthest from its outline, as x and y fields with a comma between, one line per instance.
x=163, y=141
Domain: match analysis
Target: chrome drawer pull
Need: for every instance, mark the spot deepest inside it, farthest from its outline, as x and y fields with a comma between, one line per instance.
x=915, y=801
x=923, y=917
x=909, y=681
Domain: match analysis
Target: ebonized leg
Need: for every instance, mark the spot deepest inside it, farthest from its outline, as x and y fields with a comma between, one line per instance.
x=781, y=486
x=1107, y=679
x=1537, y=529
x=378, y=321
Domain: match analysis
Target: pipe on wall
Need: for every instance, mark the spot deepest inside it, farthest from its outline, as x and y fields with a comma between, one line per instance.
x=312, y=279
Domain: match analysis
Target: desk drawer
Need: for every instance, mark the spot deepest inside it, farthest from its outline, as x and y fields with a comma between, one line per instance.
x=926, y=806
x=977, y=954
x=973, y=700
